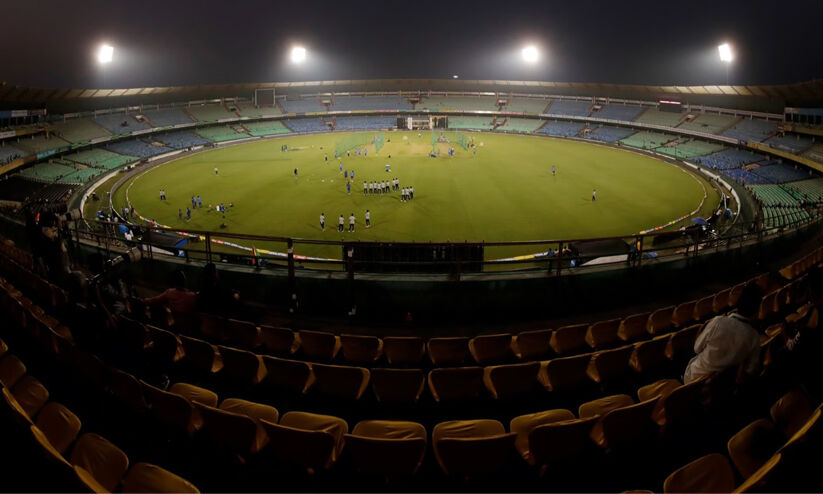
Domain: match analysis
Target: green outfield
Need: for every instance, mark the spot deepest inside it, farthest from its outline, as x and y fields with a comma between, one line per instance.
x=505, y=192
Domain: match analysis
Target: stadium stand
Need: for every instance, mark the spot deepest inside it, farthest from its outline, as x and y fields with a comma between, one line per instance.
x=221, y=133
x=744, y=177
x=569, y=107
x=375, y=122
x=266, y=128
x=302, y=106
x=709, y=123
x=17, y=188
x=82, y=175
x=249, y=110
x=751, y=129
x=521, y=124
x=48, y=172
x=778, y=173
x=313, y=124
x=557, y=128
x=209, y=113
x=113, y=122
x=646, y=140
x=527, y=105
x=654, y=116
x=811, y=189
x=40, y=144
x=182, y=139
x=813, y=153
x=9, y=154
x=795, y=143
x=137, y=147
x=473, y=123
x=100, y=158
x=457, y=103
x=729, y=158
x=168, y=117
x=79, y=130
x=371, y=103
x=606, y=133
x=619, y=112
x=686, y=148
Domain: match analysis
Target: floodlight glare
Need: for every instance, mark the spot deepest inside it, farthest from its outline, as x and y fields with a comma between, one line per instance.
x=105, y=54
x=455, y=76
x=298, y=54
x=530, y=54
x=725, y=51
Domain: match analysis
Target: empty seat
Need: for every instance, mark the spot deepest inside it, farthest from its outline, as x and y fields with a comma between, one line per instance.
x=603, y=334
x=564, y=373
x=791, y=412
x=448, y=351
x=649, y=355
x=30, y=394
x=241, y=365
x=400, y=350
x=319, y=344
x=768, y=305
x=681, y=343
x=532, y=345
x=513, y=380
x=524, y=424
x=233, y=430
x=213, y=327
x=720, y=303
x=282, y=341
x=201, y=356
x=340, y=381
x=361, y=349
x=752, y=447
x=175, y=408
x=292, y=376
x=306, y=439
x=166, y=346
x=633, y=327
x=127, y=389
x=11, y=370
x=470, y=447
x=569, y=339
x=708, y=474
x=397, y=385
x=704, y=308
x=59, y=425
x=602, y=406
x=660, y=320
x=387, y=447
x=99, y=463
x=608, y=365
x=148, y=478
x=766, y=478
x=734, y=294
x=684, y=313
x=243, y=333
x=491, y=348
x=564, y=439
x=458, y=383
x=624, y=426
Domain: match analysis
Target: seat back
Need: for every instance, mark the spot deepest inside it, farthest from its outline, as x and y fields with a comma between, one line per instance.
x=404, y=349
x=602, y=334
x=604, y=405
x=633, y=327
x=145, y=477
x=172, y=409
x=628, y=424
x=361, y=349
x=127, y=389
x=466, y=456
x=790, y=412
x=242, y=365
x=397, y=385
x=387, y=447
x=293, y=376
x=243, y=333
x=281, y=341
x=650, y=354
x=680, y=406
x=565, y=373
x=307, y=448
x=753, y=446
x=533, y=345
x=569, y=339
x=200, y=355
x=59, y=425
x=710, y=473
x=607, y=365
x=458, y=383
x=507, y=381
x=558, y=440
x=660, y=320
x=319, y=344
x=681, y=343
x=684, y=313
x=166, y=345
x=105, y=462
x=704, y=308
x=720, y=303
x=235, y=431
x=491, y=348
x=448, y=351
x=340, y=381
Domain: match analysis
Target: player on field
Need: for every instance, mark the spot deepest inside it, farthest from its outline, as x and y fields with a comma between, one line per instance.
x=340, y=224
x=345, y=174
x=365, y=187
x=295, y=173
x=403, y=194
x=368, y=219
x=323, y=221
x=199, y=202
x=340, y=166
x=325, y=157
x=215, y=170
x=411, y=192
x=180, y=214
x=554, y=171
x=162, y=195
x=348, y=187
x=348, y=153
x=351, y=222
x=188, y=214
x=387, y=168
x=594, y=195
x=371, y=187
x=365, y=152
x=193, y=203
x=351, y=174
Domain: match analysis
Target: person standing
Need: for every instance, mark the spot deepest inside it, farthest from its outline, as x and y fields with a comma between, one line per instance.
x=162, y=195
x=199, y=201
x=340, y=224
x=368, y=219
x=215, y=170
x=295, y=173
x=594, y=195
x=323, y=221
x=193, y=202
x=554, y=171
x=411, y=192
x=348, y=187
x=188, y=214
x=180, y=214
x=365, y=187
x=351, y=222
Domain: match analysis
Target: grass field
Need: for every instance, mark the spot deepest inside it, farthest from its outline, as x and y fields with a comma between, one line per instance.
x=504, y=192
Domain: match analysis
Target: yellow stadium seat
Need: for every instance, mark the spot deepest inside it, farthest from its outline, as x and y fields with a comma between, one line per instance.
x=625, y=425
x=602, y=406
x=30, y=394
x=564, y=373
x=166, y=346
x=684, y=313
x=11, y=370
x=59, y=425
x=633, y=327
x=791, y=412
x=201, y=356
x=400, y=350
x=649, y=355
x=512, y=380
x=148, y=478
x=175, y=408
x=319, y=345
x=397, y=385
x=681, y=343
x=606, y=366
x=361, y=349
x=458, y=383
x=752, y=446
x=660, y=321
x=561, y=440
x=720, y=304
x=236, y=431
x=387, y=447
x=491, y=348
x=761, y=480
x=523, y=425
x=282, y=341
x=734, y=294
x=241, y=365
x=127, y=389
x=256, y=412
x=569, y=339
x=448, y=351
x=309, y=440
x=243, y=333
x=532, y=345
x=470, y=447
x=339, y=381
x=293, y=376
x=603, y=334
x=708, y=474
x=704, y=308
x=98, y=462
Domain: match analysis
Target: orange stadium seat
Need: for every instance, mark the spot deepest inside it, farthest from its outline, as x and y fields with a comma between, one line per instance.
x=387, y=447
x=532, y=345
x=401, y=350
x=492, y=348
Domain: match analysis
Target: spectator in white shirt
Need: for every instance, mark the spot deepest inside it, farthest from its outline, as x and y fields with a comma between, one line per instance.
x=729, y=341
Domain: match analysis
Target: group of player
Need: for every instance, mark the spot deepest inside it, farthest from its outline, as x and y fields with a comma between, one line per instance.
x=381, y=186
x=341, y=221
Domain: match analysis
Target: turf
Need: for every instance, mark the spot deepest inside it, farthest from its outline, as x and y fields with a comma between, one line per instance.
x=505, y=192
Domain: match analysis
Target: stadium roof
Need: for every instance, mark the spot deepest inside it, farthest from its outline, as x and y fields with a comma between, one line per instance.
x=761, y=98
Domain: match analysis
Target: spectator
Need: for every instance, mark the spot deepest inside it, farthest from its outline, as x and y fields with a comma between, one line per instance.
x=729, y=341
x=178, y=298
x=214, y=296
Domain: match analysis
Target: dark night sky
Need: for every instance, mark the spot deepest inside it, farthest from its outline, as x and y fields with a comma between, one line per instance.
x=171, y=42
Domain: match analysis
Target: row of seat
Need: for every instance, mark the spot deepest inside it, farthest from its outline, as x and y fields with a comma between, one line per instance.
x=803, y=264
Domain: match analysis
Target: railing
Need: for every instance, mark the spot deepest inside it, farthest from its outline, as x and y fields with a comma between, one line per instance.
x=537, y=257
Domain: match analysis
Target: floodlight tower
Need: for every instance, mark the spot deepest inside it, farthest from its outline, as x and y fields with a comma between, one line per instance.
x=298, y=54
x=105, y=54
x=530, y=54
x=726, y=56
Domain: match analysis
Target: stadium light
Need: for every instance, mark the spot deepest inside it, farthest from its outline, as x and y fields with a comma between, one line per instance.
x=530, y=54
x=725, y=51
x=454, y=76
x=298, y=54
x=105, y=54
